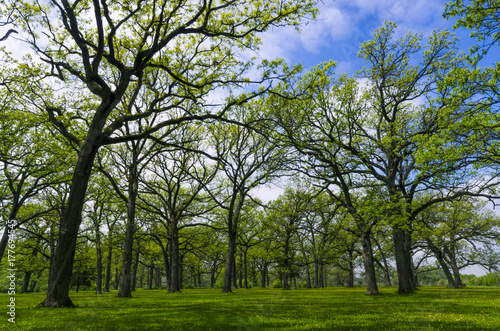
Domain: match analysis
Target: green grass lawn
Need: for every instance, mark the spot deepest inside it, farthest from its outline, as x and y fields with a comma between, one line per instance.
x=264, y=309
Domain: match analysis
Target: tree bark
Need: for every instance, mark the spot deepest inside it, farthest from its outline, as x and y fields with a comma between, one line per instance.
x=235, y=280
x=26, y=281
x=403, y=262
x=449, y=276
x=166, y=262
x=384, y=267
x=175, y=285
x=61, y=267
x=117, y=278
x=371, y=280
x=213, y=270
x=4, y=241
x=108, y=266
x=98, y=280
x=245, y=268
x=240, y=273
x=263, y=276
x=34, y=282
x=125, y=279
x=414, y=274
x=230, y=261
x=350, y=279
x=136, y=265
x=150, y=277
x=285, y=285
x=454, y=268
x=308, y=276
x=316, y=272
x=440, y=258
x=229, y=272
x=286, y=260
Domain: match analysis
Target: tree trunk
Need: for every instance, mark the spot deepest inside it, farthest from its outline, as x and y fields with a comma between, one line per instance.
x=108, y=266
x=350, y=279
x=454, y=267
x=15, y=206
x=285, y=284
x=136, y=265
x=414, y=274
x=371, y=280
x=449, y=276
x=233, y=218
x=230, y=262
x=316, y=272
x=34, y=282
x=26, y=282
x=321, y=278
x=403, y=262
x=166, y=263
x=340, y=279
x=98, y=280
x=286, y=260
x=385, y=270
x=125, y=279
x=384, y=267
x=325, y=273
x=117, y=279
x=245, y=267
x=438, y=254
x=158, y=277
x=61, y=266
x=181, y=272
x=150, y=277
x=308, y=276
x=213, y=269
x=175, y=285
x=413, y=281
x=263, y=276
x=3, y=242
x=240, y=274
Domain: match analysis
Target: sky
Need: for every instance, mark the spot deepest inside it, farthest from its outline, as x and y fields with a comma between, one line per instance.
x=343, y=25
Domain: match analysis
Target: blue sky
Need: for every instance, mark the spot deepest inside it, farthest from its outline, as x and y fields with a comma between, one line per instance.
x=343, y=25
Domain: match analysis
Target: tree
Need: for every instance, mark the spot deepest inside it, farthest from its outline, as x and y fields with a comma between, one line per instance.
x=99, y=211
x=174, y=192
x=172, y=53
x=30, y=160
x=250, y=157
x=459, y=234
x=368, y=132
x=481, y=16
x=286, y=215
x=128, y=161
x=8, y=21
x=249, y=234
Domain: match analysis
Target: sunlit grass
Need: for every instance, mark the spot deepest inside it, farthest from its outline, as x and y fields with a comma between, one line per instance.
x=264, y=309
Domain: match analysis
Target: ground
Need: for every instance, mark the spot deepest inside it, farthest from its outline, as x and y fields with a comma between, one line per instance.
x=474, y=308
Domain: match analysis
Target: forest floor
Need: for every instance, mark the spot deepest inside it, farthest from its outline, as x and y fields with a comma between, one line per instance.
x=474, y=308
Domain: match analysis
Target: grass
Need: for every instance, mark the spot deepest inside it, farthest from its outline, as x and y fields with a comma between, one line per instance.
x=471, y=308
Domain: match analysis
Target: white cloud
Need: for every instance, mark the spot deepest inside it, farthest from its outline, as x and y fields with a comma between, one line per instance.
x=344, y=24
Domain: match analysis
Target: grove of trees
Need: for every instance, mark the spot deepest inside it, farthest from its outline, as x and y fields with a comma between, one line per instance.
x=123, y=168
